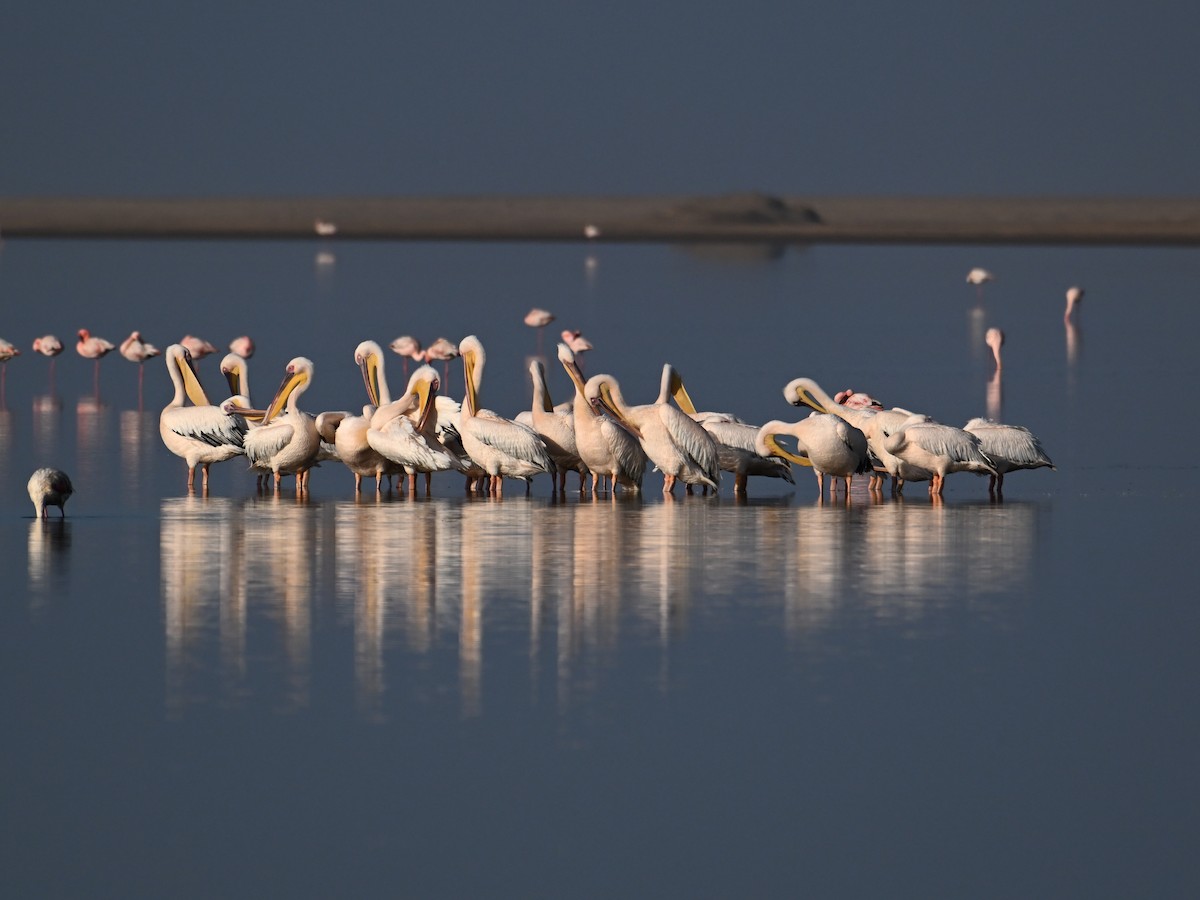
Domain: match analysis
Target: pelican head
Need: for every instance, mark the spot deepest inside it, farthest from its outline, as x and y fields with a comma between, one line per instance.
x=233, y=367
x=672, y=386
x=368, y=356
x=297, y=377
x=766, y=444
x=473, y=357
x=802, y=392
x=179, y=361
x=423, y=387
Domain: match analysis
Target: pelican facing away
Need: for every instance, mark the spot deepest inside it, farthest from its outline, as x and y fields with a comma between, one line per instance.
x=678, y=446
x=500, y=446
x=605, y=446
x=941, y=449
x=831, y=446
x=1009, y=447
x=556, y=428
x=201, y=434
x=289, y=444
x=49, y=487
x=735, y=439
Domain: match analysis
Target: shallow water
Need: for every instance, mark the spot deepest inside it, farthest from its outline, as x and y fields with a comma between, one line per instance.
x=237, y=694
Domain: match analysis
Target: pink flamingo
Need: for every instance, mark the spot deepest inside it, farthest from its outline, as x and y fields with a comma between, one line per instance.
x=409, y=348
x=48, y=345
x=96, y=348
x=539, y=319
x=134, y=349
x=577, y=344
x=444, y=350
x=198, y=347
x=243, y=346
x=1074, y=296
x=852, y=399
x=7, y=352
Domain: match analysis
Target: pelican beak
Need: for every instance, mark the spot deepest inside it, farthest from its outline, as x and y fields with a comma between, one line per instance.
x=807, y=399
x=254, y=415
x=426, y=393
x=679, y=392
x=777, y=450
x=370, y=373
x=469, y=373
x=572, y=368
x=233, y=377
x=191, y=381
x=606, y=402
x=291, y=381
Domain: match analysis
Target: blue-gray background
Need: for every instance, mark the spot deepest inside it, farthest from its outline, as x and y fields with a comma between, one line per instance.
x=374, y=98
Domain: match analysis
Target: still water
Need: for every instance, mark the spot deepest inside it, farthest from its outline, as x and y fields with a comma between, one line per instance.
x=245, y=695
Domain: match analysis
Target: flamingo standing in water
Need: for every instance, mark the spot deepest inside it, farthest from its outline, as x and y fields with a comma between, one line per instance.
x=444, y=350
x=48, y=345
x=539, y=319
x=979, y=277
x=1074, y=296
x=134, y=349
x=408, y=347
x=7, y=352
x=96, y=348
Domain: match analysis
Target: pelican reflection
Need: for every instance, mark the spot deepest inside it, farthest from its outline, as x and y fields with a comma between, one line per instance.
x=49, y=544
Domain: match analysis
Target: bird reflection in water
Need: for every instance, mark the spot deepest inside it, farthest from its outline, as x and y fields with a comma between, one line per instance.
x=91, y=439
x=138, y=430
x=47, y=416
x=48, y=546
x=219, y=559
x=6, y=439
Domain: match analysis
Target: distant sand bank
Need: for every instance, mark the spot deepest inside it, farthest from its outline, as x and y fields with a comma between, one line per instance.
x=734, y=218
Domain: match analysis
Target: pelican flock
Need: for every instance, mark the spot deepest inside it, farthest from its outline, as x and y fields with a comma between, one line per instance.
x=597, y=432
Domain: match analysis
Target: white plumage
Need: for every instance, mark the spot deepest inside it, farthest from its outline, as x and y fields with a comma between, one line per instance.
x=201, y=434
x=289, y=444
x=49, y=487
x=1009, y=447
x=941, y=449
x=825, y=442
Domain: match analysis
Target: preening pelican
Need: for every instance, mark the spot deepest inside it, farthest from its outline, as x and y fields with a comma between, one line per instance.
x=557, y=429
x=735, y=441
x=237, y=374
x=605, y=446
x=49, y=487
x=200, y=434
x=941, y=449
x=502, y=447
x=405, y=430
x=1009, y=447
x=679, y=447
x=829, y=444
x=876, y=424
x=350, y=438
x=289, y=444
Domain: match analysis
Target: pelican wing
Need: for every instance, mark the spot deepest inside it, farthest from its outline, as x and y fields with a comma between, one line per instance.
x=521, y=445
x=691, y=440
x=627, y=453
x=399, y=441
x=266, y=441
x=206, y=424
x=1009, y=446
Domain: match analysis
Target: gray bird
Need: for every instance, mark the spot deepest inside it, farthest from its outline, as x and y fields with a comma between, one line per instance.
x=49, y=487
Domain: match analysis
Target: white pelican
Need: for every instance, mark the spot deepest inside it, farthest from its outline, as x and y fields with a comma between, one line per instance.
x=500, y=446
x=289, y=444
x=941, y=449
x=49, y=487
x=1009, y=447
x=201, y=434
x=350, y=438
x=876, y=424
x=243, y=346
x=1074, y=296
x=605, y=446
x=405, y=430
x=557, y=429
x=198, y=347
x=735, y=441
x=680, y=448
x=829, y=444
x=237, y=374
x=449, y=414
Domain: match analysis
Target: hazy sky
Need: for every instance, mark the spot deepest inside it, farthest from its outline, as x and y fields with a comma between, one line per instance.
x=1025, y=97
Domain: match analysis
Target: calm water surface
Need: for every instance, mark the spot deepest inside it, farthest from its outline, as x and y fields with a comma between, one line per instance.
x=244, y=695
